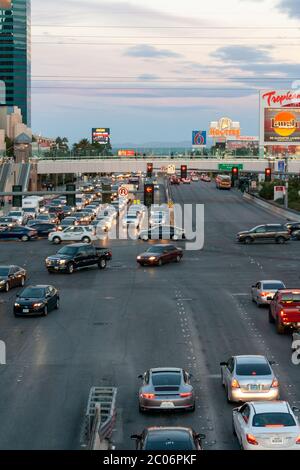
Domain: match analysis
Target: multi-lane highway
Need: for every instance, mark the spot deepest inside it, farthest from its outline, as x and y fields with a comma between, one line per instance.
x=112, y=325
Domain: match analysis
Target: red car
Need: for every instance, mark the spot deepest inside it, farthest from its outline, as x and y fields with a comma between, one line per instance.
x=174, y=180
x=186, y=180
x=158, y=255
x=285, y=310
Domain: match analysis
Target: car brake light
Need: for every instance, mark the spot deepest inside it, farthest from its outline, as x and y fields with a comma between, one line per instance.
x=235, y=384
x=264, y=294
x=298, y=440
x=275, y=383
x=282, y=313
x=251, y=439
x=148, y=396
x=186, y=394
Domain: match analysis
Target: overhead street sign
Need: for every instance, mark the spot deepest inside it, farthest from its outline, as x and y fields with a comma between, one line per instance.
x=229, y=166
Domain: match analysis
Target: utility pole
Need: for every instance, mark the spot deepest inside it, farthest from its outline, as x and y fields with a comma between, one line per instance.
x=286, y=198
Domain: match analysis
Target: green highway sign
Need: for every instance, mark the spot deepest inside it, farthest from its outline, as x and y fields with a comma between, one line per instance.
x=229, y=166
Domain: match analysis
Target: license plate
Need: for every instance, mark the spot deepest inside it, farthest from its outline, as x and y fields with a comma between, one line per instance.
x=277, y=440
x=167, y=404
x=254, y=387
x=25, y=310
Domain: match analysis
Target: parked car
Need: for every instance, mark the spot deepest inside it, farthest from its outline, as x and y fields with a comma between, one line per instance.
x=249, y=378
x=166, y=389
x=24, y=234
x=266, y=426
x=85, y=234
x=168, y=438
x=36, y=300
x=263, y=291
x=284, y=310
x=159, y=255
x=12, y=276
x=270, y=232
x=77, y=256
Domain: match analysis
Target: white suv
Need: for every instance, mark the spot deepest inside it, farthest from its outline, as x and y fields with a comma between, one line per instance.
x=85, y=234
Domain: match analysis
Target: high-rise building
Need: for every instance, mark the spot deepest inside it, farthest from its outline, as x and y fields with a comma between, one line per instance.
x=15, y=55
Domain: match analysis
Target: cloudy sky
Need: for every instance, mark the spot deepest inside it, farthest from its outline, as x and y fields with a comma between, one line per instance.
x=154, y=70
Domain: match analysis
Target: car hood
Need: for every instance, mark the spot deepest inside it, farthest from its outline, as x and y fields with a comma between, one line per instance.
x=244, y=232
x=59, y=257
x=28, y=300
x=149, y=255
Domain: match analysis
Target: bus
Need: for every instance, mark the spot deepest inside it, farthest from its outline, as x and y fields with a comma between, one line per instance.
x=223, y=182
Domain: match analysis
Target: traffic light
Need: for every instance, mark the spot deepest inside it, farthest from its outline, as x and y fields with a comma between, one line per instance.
x=148, y=194
x=268, y=174
x=71, y=198
x=183, y=171
x=149, y=170
x=17, y=200
x=234, y=174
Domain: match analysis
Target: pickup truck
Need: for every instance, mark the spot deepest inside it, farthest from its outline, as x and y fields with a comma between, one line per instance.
x=78, y=256
x=284, y=310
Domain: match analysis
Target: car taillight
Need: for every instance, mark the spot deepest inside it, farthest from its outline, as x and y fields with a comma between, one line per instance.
x=148, y=396
x=186, y=394
x=298, y=440
x=264, y=294
x=282, y=313
x=251, y=439
x=275, y=383
x=235, y=384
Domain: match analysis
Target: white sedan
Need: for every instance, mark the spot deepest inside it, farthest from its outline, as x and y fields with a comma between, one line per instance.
x=85, y=234
x=266, y=426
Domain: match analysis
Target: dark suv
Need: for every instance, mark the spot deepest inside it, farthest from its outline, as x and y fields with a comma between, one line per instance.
x=270, y=232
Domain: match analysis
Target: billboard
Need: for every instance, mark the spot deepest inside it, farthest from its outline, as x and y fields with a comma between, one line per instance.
x=101, y=135
x=199, y=138
x=126, y=153
x=279, y=117
x=225, y=127
x=281, y=126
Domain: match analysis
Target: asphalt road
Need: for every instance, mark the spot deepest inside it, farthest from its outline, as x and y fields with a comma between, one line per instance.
x=112, y=325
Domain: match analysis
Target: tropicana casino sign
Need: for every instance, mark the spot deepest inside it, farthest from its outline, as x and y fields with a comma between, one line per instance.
x=283, y=99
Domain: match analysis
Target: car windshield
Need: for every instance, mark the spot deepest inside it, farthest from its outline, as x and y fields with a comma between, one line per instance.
x=33, y=292
x=4, y=271
x=155, y=249
x=15, y=214
x=260, y=368
x=273, y=285
x=28, y=209
x=129, y=216
x=290, y=298
x=273, y=420
x=67, y=250
x=166, y=378
x=169, y=441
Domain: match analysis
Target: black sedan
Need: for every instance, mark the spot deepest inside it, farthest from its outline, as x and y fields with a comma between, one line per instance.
x=11, y=276
x=159, y=255
x=168, y=438
x=43, y=228
x=18, y=233
x=36, y=300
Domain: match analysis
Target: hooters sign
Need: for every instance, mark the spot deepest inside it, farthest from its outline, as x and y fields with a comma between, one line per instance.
x=280, y=117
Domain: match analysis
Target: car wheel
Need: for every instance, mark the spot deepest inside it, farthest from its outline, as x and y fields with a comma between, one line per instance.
x=7, y=286
x=248, y=240
x=192, y=409
x=57, y=304
x=102, y=264
x=56, y=240
x=86, y=240
x=174, y=237
x=22, y=283
x=160, y=262
x=70, y=268
x=45, y=311
x=178, y=259
x=279, y=327
x=25, y=238
x=145, y=238
x=280, y=240
x=271, y=318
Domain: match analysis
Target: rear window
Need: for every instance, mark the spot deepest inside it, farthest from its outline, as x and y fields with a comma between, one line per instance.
x=265, y=420
x=253, y=369
x=169, y=442
x=290, y=298
x=166, y=378
x=274, y=286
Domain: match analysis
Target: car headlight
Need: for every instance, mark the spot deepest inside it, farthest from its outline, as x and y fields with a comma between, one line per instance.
x=139, y=257
x=37, y=305
x=152, y=258
x=17, y=305
x=62, y=261
x=2, y=283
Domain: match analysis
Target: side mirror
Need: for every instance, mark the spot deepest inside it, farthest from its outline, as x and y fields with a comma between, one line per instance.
x=272, y=363
x=18, y=295
x=136, y=437
x=253, y=286
x=200, y=436
x=223, y=363
x=295, y=409
x=140, y=376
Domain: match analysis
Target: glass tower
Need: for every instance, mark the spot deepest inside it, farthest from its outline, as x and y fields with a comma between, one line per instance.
x=15, y=55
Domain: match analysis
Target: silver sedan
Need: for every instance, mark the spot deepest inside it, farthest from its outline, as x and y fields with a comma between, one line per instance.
x=263, y=291
x=249, y=378
x=166, y=389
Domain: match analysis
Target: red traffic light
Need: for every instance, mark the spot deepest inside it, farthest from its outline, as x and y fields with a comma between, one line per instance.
x=184, y=167
x=268, y=171
x=149, y=189
x=235, y=170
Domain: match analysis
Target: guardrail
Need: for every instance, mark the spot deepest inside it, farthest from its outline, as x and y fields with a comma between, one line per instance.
x=288, y=214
